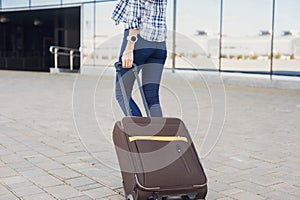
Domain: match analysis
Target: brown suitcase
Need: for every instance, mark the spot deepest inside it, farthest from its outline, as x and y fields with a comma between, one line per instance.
x=157, y=157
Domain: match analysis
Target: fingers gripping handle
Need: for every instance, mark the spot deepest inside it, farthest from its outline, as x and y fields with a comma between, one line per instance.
x=118, y=66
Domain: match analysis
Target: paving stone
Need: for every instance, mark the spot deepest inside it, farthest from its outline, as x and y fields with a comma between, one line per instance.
x=70, y=148
x=296, y=193
x=240, y=164
x=247, y=196
x=7, y=172
x=53, y=153
x=227, y=178
x=290, y=179
x=3, y=150
x=225, y=198
x=21, y=166
x=7, y=142
x=277, y=195
x=210, y=164
x=228, y=170
x=46, y=181
x=64, y=173
x=99, y=192
x=20, y=185
x=120, y=191
x=231, y=191
x=285, y=187
x=80, y=155
x=66, y=159
x=266, y=180
x=18, y=148
x=41, y=196
x=96, y=173
x=89, y=187
x=211, y=194
x=11, y=158
x=13, y=180
x=212, y=174
x=3, y=190
x=26, y=191
x=37, y=159
x=33, y=172
x=114, y=197
x=81, y=166
x=219, y=186
x=80, y=181
x=84, y=197
x=49, y=165
x=272, y=158
x=63, y=191
x=112, y=182
x=8, y=197
x=26, y=153
x=251, y=187
x=40, y=147
x=262, y=170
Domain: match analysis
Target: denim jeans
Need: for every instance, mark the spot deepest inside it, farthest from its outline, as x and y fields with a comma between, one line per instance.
x=150, y=58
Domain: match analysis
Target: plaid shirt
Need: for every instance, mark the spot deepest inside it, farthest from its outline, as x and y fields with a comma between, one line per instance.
x=149, y=16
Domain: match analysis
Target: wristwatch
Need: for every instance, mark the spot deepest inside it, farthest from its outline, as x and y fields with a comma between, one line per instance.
x=132, y=38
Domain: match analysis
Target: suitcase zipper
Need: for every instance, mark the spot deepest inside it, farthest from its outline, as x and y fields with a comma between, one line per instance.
x=159, y=138
x=182, y=158
x=139, y=185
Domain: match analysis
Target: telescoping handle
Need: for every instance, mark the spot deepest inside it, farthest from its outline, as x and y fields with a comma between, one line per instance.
x=118, y=66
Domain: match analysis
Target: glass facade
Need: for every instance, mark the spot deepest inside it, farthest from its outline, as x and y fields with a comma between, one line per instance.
x=14, y=3
x=75, y=1
x=287, y=40
x=44, y=2
x=197, y=46
x=250, y=45
x=107, y=35
x=88, y=30
x=246, y=34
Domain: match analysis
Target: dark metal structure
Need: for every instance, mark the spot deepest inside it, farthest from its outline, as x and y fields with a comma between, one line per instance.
x=25, y=37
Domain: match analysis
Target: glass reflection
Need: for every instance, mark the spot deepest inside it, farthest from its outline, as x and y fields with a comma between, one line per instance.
x=44, y=2
x=198, y=38
x=287, y=38
x=88, y=34
x=107, y=47
x=247, y=37
x=15, y=3
x=76, y=1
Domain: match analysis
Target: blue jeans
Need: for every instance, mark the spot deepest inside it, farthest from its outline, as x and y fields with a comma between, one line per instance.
x=150, y=58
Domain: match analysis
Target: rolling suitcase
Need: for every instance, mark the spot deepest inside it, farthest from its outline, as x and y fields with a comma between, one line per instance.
x=157, y=157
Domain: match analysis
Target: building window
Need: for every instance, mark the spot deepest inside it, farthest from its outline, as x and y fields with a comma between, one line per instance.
x=15, y=3
x=44, y=2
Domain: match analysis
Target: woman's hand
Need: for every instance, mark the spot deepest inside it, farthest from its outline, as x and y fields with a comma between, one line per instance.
x=127, y=58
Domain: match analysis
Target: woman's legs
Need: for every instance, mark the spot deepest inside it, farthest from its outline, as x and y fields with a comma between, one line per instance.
x=128, y=77
x=150, y=57
x=151, y=77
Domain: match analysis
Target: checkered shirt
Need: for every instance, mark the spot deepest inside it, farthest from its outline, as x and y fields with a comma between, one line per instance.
x=149, y=16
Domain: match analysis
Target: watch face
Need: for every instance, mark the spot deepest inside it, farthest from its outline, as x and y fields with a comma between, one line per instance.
x=133, y=38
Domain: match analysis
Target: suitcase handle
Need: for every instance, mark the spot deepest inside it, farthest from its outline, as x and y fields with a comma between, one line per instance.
x=118, y=67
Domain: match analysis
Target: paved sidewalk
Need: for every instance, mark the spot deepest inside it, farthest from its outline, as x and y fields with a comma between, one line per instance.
x=55, y=137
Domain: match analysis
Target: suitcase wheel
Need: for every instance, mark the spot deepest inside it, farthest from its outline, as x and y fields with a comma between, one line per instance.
x=129, y=197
